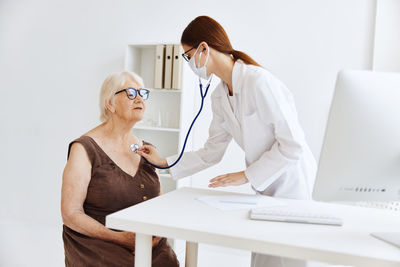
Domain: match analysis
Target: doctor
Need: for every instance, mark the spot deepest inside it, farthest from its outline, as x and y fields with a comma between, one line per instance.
x=254, y=108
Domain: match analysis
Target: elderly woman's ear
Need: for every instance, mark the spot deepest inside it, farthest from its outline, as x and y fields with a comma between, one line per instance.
x=110, y=106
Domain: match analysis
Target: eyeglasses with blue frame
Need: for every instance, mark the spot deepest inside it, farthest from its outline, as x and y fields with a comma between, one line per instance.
x=131, y=93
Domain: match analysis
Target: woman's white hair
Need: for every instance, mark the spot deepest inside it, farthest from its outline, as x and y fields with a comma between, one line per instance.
x=112, y=84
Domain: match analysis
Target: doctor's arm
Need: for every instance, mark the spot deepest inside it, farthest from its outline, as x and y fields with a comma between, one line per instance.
x=212, y=151
x=195, y=161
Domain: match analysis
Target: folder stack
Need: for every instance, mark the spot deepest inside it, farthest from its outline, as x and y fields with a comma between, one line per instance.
x=168, y=67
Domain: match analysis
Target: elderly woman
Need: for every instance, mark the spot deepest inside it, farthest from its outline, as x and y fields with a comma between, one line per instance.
x=103, y=176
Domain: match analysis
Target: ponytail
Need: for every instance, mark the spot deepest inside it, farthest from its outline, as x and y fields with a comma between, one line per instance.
x=243, y=57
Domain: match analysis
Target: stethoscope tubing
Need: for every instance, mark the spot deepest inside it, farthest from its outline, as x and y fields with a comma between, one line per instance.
x=203, y=96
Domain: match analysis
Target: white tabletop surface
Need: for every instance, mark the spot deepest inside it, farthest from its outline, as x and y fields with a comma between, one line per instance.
x=179, y=215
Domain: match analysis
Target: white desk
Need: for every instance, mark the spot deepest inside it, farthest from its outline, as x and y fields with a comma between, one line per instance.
x=179, y=215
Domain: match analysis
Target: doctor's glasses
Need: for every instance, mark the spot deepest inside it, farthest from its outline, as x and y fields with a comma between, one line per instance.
x=186, y=56
x=131, y=93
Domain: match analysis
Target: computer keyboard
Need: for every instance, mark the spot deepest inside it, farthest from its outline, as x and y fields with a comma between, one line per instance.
x=287, y=215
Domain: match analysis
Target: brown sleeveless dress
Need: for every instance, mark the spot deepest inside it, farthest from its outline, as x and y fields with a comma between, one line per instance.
x=111, y=189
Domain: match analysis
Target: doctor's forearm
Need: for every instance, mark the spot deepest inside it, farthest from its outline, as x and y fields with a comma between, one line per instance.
x=190, y=163
x=271, y=165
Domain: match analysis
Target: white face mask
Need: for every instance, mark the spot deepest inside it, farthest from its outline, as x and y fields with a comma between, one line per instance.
x=199, y=71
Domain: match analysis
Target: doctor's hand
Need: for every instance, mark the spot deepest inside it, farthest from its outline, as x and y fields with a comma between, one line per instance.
x=229, y=179
x=150, y=153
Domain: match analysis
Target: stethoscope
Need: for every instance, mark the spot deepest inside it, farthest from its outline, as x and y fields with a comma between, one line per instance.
x=135, y=147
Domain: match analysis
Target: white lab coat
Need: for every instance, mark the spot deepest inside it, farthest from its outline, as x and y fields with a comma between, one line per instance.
x=278, y=159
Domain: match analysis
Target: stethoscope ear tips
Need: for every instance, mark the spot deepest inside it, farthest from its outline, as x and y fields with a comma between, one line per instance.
x=134, y=148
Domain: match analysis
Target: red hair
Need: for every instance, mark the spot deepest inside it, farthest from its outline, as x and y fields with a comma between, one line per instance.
x=206, y=29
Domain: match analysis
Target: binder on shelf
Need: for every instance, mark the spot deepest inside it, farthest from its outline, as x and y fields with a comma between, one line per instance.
x=168, y=66
x=177, y=67
x=159, y=67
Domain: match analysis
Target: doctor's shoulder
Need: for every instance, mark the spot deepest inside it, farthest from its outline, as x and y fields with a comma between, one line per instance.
x=259, y=79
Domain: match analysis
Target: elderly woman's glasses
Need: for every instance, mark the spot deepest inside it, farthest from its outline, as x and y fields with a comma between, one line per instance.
x=185, y=55
x=131, y=93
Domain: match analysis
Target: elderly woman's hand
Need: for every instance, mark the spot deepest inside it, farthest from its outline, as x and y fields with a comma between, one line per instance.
x=127, y=239
x=151, y=154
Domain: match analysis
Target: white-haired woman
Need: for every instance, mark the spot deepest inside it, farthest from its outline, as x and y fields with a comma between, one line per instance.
x=102, y=176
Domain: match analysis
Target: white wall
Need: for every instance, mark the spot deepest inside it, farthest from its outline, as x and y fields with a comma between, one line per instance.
x=304, y=43
x=387, y=37
x=54, y=56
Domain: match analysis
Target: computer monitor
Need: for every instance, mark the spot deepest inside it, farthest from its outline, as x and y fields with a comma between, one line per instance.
x=360, y=157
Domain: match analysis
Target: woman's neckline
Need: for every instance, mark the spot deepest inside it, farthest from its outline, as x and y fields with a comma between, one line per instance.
x=102, y=151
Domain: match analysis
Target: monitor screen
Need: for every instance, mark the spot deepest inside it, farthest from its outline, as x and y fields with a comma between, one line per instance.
x=360, y=157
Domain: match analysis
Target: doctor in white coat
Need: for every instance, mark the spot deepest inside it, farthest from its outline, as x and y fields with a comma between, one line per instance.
x=254, y=108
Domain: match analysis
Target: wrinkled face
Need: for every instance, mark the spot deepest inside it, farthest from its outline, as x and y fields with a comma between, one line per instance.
x=125, y=107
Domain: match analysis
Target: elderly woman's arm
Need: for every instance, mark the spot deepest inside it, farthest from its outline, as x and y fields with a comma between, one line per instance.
x=76, y=178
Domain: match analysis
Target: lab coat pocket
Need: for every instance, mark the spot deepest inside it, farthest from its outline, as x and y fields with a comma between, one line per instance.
x=258, y=136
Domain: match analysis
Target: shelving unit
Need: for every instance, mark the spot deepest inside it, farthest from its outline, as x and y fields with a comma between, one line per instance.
x=168, y=111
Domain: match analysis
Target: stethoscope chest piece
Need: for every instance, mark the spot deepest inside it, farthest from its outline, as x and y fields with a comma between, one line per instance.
x=134, y=148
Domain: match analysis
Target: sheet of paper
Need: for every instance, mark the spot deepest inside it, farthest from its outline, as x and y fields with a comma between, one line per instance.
x=235, y=202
